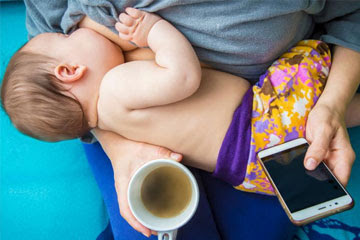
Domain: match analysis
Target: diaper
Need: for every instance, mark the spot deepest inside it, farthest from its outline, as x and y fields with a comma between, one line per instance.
x=282, y=101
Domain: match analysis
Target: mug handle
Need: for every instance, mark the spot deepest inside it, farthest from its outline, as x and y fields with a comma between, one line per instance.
x=168, y=235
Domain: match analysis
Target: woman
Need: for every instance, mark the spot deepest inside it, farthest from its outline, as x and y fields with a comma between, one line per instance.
x=241, y=37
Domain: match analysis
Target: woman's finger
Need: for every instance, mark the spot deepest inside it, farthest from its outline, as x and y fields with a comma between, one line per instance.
x=341, y=156
x=165, y=153
x=125, y=209
x=319, y=146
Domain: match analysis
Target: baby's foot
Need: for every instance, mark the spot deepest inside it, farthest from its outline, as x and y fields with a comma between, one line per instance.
x=135, y=26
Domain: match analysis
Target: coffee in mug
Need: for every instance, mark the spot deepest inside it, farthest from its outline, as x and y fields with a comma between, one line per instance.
x=163, y=196
x=166, y=191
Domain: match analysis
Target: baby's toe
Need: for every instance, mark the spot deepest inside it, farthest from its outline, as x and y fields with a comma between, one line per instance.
x=133, y=12
x=126, y=19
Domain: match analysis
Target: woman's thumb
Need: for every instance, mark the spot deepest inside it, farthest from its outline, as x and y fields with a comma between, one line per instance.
x=316, y=152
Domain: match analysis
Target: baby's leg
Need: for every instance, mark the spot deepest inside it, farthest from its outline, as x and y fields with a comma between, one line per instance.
x=352, y=117
x=135, y=26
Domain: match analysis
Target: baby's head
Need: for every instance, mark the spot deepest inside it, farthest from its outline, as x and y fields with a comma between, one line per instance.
x=35, y=100
x=50, y=87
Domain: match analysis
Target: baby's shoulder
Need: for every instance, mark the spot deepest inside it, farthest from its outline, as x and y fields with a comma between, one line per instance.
x=111, y=86
x=112, y=80
x=113, y=74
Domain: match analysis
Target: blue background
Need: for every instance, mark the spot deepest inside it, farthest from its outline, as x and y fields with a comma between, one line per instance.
x=47, y=190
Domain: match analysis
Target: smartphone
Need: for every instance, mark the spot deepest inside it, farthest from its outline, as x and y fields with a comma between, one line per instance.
x=305, y=195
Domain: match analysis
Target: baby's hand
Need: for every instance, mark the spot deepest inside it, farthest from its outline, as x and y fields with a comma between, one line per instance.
x=135, y=25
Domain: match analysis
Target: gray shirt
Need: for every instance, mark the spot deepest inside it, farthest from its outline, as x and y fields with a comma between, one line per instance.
x=242, y=37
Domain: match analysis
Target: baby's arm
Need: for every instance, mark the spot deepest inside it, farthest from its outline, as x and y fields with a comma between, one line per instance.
x=174, y=75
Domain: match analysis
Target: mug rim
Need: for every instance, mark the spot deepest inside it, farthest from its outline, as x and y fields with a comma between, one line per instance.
x=192, y=179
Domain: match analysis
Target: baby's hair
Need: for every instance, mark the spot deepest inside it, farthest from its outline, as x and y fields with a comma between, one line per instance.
x=35, y=100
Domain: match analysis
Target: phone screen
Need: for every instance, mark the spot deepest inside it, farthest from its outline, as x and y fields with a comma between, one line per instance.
x=299, y=187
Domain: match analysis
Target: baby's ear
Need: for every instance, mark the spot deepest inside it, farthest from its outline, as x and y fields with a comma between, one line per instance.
x=67, y=73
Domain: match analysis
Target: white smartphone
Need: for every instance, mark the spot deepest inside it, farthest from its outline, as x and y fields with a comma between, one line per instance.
x=305, y=195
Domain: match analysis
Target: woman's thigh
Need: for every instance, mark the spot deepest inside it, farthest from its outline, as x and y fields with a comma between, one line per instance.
x=242, y=215
x=201, y=226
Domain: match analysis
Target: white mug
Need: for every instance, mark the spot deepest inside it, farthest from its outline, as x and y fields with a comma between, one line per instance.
x=166, y=227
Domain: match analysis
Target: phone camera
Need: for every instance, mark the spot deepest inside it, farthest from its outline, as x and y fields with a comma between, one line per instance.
x=336, y=203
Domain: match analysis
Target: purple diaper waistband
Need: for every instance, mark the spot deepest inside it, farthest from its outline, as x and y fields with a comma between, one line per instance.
x=234, y=152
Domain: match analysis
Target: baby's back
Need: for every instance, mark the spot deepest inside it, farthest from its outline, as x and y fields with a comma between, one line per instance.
x=195, y=126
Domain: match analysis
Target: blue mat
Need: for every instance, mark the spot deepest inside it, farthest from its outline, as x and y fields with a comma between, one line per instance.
x=48, y=192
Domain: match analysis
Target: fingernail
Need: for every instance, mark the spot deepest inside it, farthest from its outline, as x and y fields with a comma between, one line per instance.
x=310, y=164
x=146, y=235
x=175, y=156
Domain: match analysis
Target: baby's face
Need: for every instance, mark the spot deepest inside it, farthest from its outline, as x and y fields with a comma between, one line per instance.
x=84, y=46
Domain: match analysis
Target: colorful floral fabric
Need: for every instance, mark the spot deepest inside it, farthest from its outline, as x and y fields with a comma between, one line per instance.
x=282, y=101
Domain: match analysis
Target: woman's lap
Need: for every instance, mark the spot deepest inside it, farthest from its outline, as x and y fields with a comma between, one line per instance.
x=223, y=212
x=243, y=215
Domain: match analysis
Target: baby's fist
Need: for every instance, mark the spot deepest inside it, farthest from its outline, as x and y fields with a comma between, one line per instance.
x=134, y=25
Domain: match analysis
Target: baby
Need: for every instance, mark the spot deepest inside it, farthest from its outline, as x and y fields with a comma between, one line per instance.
x=59, y=87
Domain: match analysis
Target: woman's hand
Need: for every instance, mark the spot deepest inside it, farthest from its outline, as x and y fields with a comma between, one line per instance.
x=326, y=131
x=325, y=127
x=126, y=157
